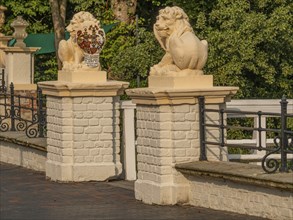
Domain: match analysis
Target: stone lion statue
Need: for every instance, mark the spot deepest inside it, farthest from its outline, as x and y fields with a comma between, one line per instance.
x=70, y=52
x=185, y=53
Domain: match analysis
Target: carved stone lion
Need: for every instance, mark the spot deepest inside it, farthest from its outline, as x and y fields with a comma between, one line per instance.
x=69, y=52
x=185, y=53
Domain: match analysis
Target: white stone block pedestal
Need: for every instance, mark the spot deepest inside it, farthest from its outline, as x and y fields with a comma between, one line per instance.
x=83, y=139
x=168, y=134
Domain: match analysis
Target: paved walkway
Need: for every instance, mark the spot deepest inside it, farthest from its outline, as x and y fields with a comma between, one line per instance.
x=27, y=195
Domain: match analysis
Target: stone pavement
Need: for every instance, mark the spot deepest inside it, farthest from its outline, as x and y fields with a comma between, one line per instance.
x=27, y=195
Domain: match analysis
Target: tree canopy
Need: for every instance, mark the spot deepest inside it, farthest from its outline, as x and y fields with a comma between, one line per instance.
x=250, y=42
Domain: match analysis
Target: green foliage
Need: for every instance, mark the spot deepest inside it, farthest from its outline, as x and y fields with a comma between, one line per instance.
x=101, y=9
x=36, y=12
x=240, y=122
x=194, y=8
x=45, y=68
x=120, y=38
x=148, y=11
x=136, y=59
x=249, y=46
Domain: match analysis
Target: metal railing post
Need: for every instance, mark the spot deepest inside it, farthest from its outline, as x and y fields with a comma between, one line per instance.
x=283, y=138
x=222, y=128
x=2, y=82
x=201, y=104
x=40, y=113
x=12, y=110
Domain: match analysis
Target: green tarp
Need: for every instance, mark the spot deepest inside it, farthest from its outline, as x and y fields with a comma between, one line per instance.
x=46, y=41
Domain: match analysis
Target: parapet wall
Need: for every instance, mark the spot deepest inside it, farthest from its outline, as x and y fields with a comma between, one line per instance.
x=241, y=188
x=15, y=149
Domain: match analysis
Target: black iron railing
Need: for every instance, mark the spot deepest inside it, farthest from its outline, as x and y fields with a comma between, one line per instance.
x=2, y=82
x=23, y=113
x=283, y=142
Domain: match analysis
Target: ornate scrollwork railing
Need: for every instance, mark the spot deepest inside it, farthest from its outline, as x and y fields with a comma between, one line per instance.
x=271, y=165
x=23, y=113
x=283, y=142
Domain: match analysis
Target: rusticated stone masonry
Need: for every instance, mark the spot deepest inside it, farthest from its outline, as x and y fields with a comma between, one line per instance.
x=168, y=135
x=83, y=138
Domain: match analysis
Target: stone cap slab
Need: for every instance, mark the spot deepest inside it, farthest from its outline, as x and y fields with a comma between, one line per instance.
x=25, y=87
x=161, y=96
x=66, y=89
x=238, y=172
x=20, y=49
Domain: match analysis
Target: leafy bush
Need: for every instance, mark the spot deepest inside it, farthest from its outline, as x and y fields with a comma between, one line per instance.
x=249, y=46
x=136, y=60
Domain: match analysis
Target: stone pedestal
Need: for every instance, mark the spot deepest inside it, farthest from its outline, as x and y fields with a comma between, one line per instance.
x=19, y=63
x=83, y=130
x=181, y=82
x=168, y=134
x=86, y=76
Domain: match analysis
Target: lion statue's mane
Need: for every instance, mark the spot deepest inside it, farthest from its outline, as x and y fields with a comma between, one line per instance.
x=185, y=53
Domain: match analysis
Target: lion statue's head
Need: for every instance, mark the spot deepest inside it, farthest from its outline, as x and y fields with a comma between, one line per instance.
x=169, y=20
x=77, y=21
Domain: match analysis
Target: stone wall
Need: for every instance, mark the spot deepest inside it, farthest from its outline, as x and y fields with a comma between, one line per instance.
x=253, y=200
x=22, y=156
x=239, y=187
